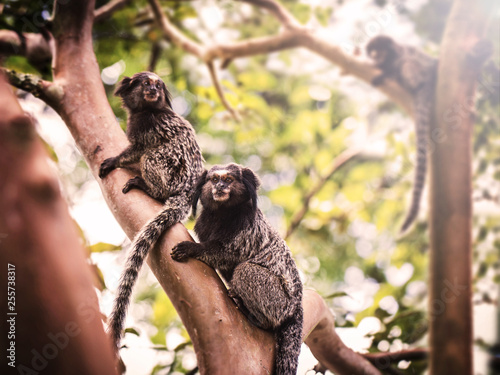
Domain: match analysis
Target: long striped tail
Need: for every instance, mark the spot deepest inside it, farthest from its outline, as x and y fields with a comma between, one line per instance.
x=423, y=105
x=288, y=343
x=175, y=210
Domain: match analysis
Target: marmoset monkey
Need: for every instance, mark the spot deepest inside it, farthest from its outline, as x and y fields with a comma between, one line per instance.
x=164, y=146
x=416, y=72
x=237, y=240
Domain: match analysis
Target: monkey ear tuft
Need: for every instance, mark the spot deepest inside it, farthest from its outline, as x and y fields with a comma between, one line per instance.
x=252, y=183
x=123, y=87
x=197, y=191
x=166, y=93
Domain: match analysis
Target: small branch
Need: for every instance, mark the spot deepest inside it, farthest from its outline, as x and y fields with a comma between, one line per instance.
x=107, y=10
x=179, y=39
x=326, y=345
x=220, y=92
x=382, y=361
x=255, y=46
x=155, y=55
x=173, y=33
x=278, y=11
x=44, y=90
x=35, y=47
x=337, y=163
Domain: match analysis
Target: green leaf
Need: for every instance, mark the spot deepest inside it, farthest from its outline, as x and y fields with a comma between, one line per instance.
x=132, y=331
x=323, y=15
x=101, y=247
x=336, y=295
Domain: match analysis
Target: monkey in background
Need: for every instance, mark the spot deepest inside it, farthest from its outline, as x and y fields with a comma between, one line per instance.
x=416, y=72
x=170, y=162
x=237, y=240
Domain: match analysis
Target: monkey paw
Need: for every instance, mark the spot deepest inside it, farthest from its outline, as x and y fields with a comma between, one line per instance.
x=133, y=183
x=183, y=250
x=231, y=293
x=107, y=166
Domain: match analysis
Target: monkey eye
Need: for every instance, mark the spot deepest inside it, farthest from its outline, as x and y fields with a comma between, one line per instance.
x=157, y=85
x=228, y=179
x=215, y=179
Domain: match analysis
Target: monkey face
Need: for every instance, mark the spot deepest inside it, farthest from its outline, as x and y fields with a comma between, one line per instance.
x=220, y=182
x=378, y=56
x=151, y=88
x=382, y=50
x=227, y=186
x=144, y=90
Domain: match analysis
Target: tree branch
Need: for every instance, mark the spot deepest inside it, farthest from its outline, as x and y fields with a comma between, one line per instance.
x=44, y=90
x=293, y=35
x=337, y=163
x=278, y=11
x=180, y=40
x=173, y=34
x=107, y=10
x=326, y=345
x=220, y=92
x=35, y=47
x=383, y=360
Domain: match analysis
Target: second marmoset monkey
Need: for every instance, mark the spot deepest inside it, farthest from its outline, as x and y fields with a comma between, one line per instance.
x=163, y=145
x=237, y=240
x=416, y=72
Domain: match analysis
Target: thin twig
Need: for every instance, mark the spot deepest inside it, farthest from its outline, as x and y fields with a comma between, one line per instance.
x=155, y=55
x=179, y=39
x=45, y=90
x=278, y=11
x=220, y=92
x=173, y=33
x=337, y=163
x=107, y=10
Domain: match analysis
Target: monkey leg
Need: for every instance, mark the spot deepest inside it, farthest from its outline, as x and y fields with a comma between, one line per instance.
x=135, y=183
x=139, y=183
x=241, y=306
x=262, y=294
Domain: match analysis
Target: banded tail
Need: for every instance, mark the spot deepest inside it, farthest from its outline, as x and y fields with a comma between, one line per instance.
x=423, y=105
x=175, y=210
x=288, y=343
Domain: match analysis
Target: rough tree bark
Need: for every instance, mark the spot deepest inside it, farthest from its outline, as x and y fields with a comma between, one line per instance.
x=55, y=322
x=450, y=302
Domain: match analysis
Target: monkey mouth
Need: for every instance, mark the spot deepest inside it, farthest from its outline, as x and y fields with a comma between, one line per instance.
x=220, y=196
x=152, y=97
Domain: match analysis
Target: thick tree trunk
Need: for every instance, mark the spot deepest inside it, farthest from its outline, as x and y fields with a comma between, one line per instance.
x=450, y=304
x=53, y=323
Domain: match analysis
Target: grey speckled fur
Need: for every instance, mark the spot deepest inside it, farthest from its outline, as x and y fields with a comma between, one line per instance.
x=416, y=72
x=236, y=239
x=164, y=146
